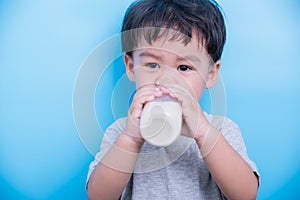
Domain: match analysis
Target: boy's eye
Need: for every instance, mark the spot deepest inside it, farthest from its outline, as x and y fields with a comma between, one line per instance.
x=184, y=68
x=153, y=65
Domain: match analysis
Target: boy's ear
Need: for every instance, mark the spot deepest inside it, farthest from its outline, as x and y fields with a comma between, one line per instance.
x=128, y=61
x=213, y=74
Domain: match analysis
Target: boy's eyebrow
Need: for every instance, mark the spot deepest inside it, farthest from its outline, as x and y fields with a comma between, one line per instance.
x=191, y=58
x=149, y=54
x=178, y=58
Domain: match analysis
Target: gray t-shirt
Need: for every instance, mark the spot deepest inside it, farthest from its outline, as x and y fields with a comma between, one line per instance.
x=174, y=172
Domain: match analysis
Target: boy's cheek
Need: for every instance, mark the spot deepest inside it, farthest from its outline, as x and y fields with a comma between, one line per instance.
x=142, y=81
x=143, y=77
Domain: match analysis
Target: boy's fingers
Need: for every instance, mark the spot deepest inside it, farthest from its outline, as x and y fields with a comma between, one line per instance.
x=142, y=96
x=175, y=90
x=147, y=91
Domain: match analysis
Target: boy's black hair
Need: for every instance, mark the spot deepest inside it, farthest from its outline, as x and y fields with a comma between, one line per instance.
x=202, y=17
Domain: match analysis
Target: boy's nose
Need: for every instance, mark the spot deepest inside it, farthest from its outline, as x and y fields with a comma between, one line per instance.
x=167, y=76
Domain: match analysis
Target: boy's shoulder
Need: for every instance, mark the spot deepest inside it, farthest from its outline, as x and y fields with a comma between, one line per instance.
x=222, y=123
x=116, y=128
x=119, y=124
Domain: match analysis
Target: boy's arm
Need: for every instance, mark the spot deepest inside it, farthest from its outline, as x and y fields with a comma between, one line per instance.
x=113, y=173
x=229, y=169
x=232, y=174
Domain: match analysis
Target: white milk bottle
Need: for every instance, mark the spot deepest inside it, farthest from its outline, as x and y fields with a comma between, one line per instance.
x=161, y=121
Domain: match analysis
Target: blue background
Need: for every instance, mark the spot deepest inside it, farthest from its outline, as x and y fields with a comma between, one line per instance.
x=42, y=46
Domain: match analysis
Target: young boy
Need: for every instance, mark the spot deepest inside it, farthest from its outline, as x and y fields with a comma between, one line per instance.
x=173, y=47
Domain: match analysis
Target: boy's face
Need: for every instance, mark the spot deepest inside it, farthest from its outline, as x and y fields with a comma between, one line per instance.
x=171, y=63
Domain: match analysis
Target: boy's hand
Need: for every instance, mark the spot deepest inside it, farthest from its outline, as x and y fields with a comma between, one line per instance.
x=143, y=95
x=195, y=124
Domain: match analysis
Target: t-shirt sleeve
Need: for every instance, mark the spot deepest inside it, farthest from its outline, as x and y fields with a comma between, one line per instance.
x=232, y=134
x=109, y=138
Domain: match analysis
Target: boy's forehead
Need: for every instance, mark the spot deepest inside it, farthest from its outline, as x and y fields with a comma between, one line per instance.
x=174, y=46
